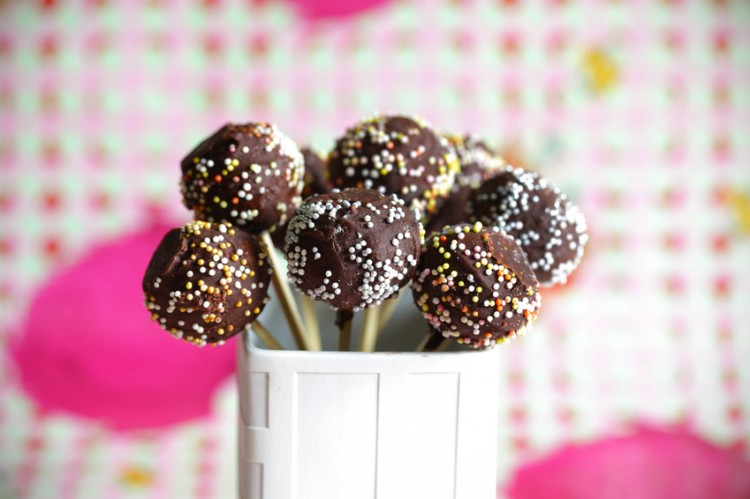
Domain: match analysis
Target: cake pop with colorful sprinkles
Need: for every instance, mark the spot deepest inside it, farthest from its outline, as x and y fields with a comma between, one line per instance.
x=474, y=284
x=206, y=282
x=354, y=248
x=549, y=228
x=395, y=155
x=249, y=175
x=478, y=163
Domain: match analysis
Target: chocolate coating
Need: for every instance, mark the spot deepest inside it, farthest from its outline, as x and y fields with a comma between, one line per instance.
x=549, y=228
x=395, y=155
x=314, y=183
x=248, y=175
x=315, y=173
x=206, y=282
x=475, y=285
x=477, y=164
x=352, y=249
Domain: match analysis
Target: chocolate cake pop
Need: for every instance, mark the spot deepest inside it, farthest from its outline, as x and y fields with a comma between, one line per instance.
x=475, y=284
x=352, y=249
x=206, y=282
x=249, y=175
x=478, y=163
x=549, y=228
x=314, y=183
x=395, y=155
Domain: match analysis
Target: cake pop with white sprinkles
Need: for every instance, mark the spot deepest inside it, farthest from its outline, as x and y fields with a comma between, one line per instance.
x=477, y=164
x=475, y=285
x=249, y=175
x=315, y=182
x=395, y=155
x=354, y=248
x=549, y=228
x=206, y=282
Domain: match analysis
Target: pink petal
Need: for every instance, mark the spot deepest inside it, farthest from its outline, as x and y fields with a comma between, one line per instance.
x=89, y=348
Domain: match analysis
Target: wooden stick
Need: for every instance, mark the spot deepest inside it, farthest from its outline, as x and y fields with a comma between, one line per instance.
x=285, y=294
x=344, y=322
x=423, y=343
x=387, y=310
x=432, y=342
x=370, y=329
x=311, y=322
x=266, y=336
x=345, y=336
x=443, y=345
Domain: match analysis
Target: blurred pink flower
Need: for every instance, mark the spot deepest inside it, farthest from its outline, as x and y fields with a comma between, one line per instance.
x=88, y=346
x=650, y=464
x=316, y=9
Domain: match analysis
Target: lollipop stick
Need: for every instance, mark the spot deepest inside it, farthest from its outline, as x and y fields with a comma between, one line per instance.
x=266, y=336
x=443, y=345
x=285, y=294
x=311, y=322
x=345, y=336
x=344, y=322
x=386, y=311
x=370, y=329
x=432, y=342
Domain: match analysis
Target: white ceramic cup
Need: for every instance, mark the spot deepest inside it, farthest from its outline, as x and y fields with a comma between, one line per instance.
x=351, y=425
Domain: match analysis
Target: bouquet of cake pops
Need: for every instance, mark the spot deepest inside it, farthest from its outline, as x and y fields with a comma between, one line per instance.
x=351, y=225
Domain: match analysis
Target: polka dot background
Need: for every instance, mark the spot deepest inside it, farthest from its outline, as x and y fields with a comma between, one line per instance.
x=640, y=111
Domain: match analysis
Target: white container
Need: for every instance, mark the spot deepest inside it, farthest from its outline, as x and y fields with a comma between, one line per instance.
x=331, y=425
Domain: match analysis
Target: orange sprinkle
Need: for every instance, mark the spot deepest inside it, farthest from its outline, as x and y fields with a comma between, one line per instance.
x=217, y=178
